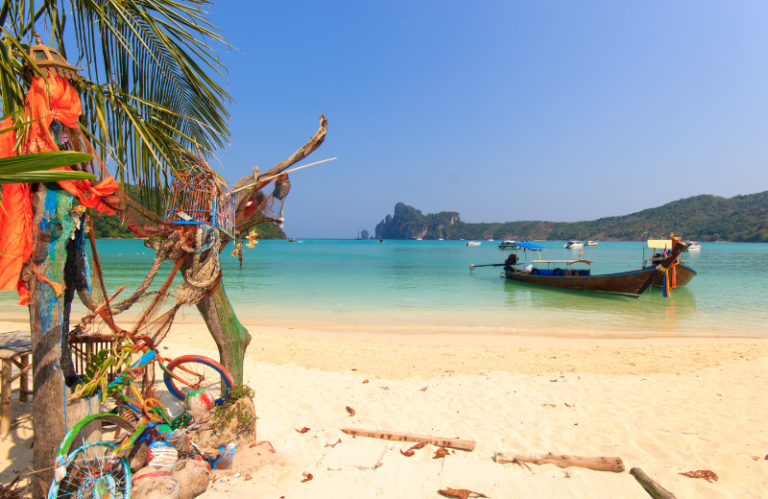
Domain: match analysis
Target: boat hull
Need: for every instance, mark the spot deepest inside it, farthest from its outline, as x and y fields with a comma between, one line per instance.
x=632, y=283
x=683, y=275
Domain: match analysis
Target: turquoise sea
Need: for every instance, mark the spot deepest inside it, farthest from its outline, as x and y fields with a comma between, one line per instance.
x=426, y=287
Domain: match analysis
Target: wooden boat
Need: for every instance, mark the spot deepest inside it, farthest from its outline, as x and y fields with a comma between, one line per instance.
x=591, y=243
x=473, y=243
x=577, y=274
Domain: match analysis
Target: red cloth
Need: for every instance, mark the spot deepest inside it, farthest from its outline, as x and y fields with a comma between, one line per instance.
x=56, y=100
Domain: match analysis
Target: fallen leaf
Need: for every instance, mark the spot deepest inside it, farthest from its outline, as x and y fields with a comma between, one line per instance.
x=569, y=405
x=550, y=405
x=248, y=477
x=365, y=381
x=354, y=369
x=424, y=389
x=460, y=493
x=441, y=452
x=333, y=445
x=308, y=477
x=303, y=430
x=553, y=381
x=411, y=450
x=350, y=411
x=707, y=475
x=384, y=387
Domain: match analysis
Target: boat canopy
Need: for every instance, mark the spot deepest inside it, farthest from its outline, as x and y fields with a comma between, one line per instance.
x=529, y=246
x=660, y=244
x=569, y=262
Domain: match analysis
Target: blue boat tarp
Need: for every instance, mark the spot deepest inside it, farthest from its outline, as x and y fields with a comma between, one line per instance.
x=529, y=246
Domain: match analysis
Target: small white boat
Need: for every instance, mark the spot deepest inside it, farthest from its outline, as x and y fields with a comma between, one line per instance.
x=692, y=246
x=490, y=239
x=509, y=243
x=441, y=239
x=473, y=243
x=419, y=239
x=591, y=243
x=573, y=245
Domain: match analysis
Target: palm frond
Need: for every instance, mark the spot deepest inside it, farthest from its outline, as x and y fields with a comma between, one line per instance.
x=151, y=86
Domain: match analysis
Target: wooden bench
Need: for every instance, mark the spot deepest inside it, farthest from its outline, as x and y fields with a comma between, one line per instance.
x=15, y=349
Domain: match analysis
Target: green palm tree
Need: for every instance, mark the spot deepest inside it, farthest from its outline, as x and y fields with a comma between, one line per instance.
x=151, y=89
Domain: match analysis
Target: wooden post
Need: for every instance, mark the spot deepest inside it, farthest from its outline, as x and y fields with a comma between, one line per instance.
x=24, y=378
x=5, y=398
x=650, y=485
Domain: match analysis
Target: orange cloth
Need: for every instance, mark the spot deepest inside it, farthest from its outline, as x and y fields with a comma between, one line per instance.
x=56, y=100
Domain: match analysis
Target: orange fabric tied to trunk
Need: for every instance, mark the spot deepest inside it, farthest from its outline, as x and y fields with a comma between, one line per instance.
x=56, y=100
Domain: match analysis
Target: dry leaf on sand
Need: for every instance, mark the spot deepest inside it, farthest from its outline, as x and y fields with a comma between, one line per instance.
x=308, y=477
x=412, y=449
x=707, y=475
x=333, y=445
x=303, y=430
x=365, y=381
x=550, y=405
x=424, y=389
x=460, y=493
x=441, y=452
x=569, y=405
x=350, y=411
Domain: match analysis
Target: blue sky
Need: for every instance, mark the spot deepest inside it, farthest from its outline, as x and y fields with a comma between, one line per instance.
x=500, y=110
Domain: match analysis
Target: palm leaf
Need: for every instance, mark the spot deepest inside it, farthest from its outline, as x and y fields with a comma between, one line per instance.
x=151, y=87
x=30, y=168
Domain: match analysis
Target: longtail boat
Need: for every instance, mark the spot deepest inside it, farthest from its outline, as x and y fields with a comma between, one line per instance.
x=577, y=274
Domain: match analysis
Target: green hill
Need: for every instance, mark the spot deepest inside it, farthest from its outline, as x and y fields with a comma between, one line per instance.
x=703, y=218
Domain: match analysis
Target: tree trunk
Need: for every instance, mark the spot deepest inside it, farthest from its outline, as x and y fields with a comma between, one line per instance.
x=230, y=336
x=53, y=225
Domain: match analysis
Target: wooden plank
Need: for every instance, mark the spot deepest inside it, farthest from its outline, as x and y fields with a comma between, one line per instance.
x=5, y=398
x=612, y=464
x=13, y=343
x=650, y=485
x=455, y=443
x=24, y=380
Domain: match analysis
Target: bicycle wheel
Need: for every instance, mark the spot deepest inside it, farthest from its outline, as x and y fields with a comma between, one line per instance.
x=193, y=372
x=92, y=471
x=97, y=427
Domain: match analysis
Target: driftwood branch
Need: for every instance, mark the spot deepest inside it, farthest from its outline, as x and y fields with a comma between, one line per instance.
x=297, y=156
x=455, y=443
x=613, y=464
x=650, y=485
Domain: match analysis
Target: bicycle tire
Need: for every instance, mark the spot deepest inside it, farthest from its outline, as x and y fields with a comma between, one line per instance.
x=89, y=472
x=77, y=435
x=220, y=386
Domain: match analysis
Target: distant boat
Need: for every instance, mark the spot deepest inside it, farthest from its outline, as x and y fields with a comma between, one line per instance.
x=509, y=243
x=591, y=243
x=473, y=243
x=441, y=239
x=291, y=240
x=692, y=246
x=381, y=240
x=419, y=239
x=358, y=238
x=573, y=245
x=490, y=239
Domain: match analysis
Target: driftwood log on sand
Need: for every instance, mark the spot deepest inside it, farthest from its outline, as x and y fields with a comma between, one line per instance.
x=613, y=464
x=650, y=485
x=455, y=443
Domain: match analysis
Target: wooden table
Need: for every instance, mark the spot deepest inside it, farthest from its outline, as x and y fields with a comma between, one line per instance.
x=15, y=349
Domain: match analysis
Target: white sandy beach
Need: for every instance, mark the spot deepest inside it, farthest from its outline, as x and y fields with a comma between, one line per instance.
x=664, y=405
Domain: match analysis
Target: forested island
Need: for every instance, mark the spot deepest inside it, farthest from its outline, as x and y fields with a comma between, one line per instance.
x=703, y=218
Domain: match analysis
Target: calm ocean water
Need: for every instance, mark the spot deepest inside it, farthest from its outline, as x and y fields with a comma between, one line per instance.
x=426, y=286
